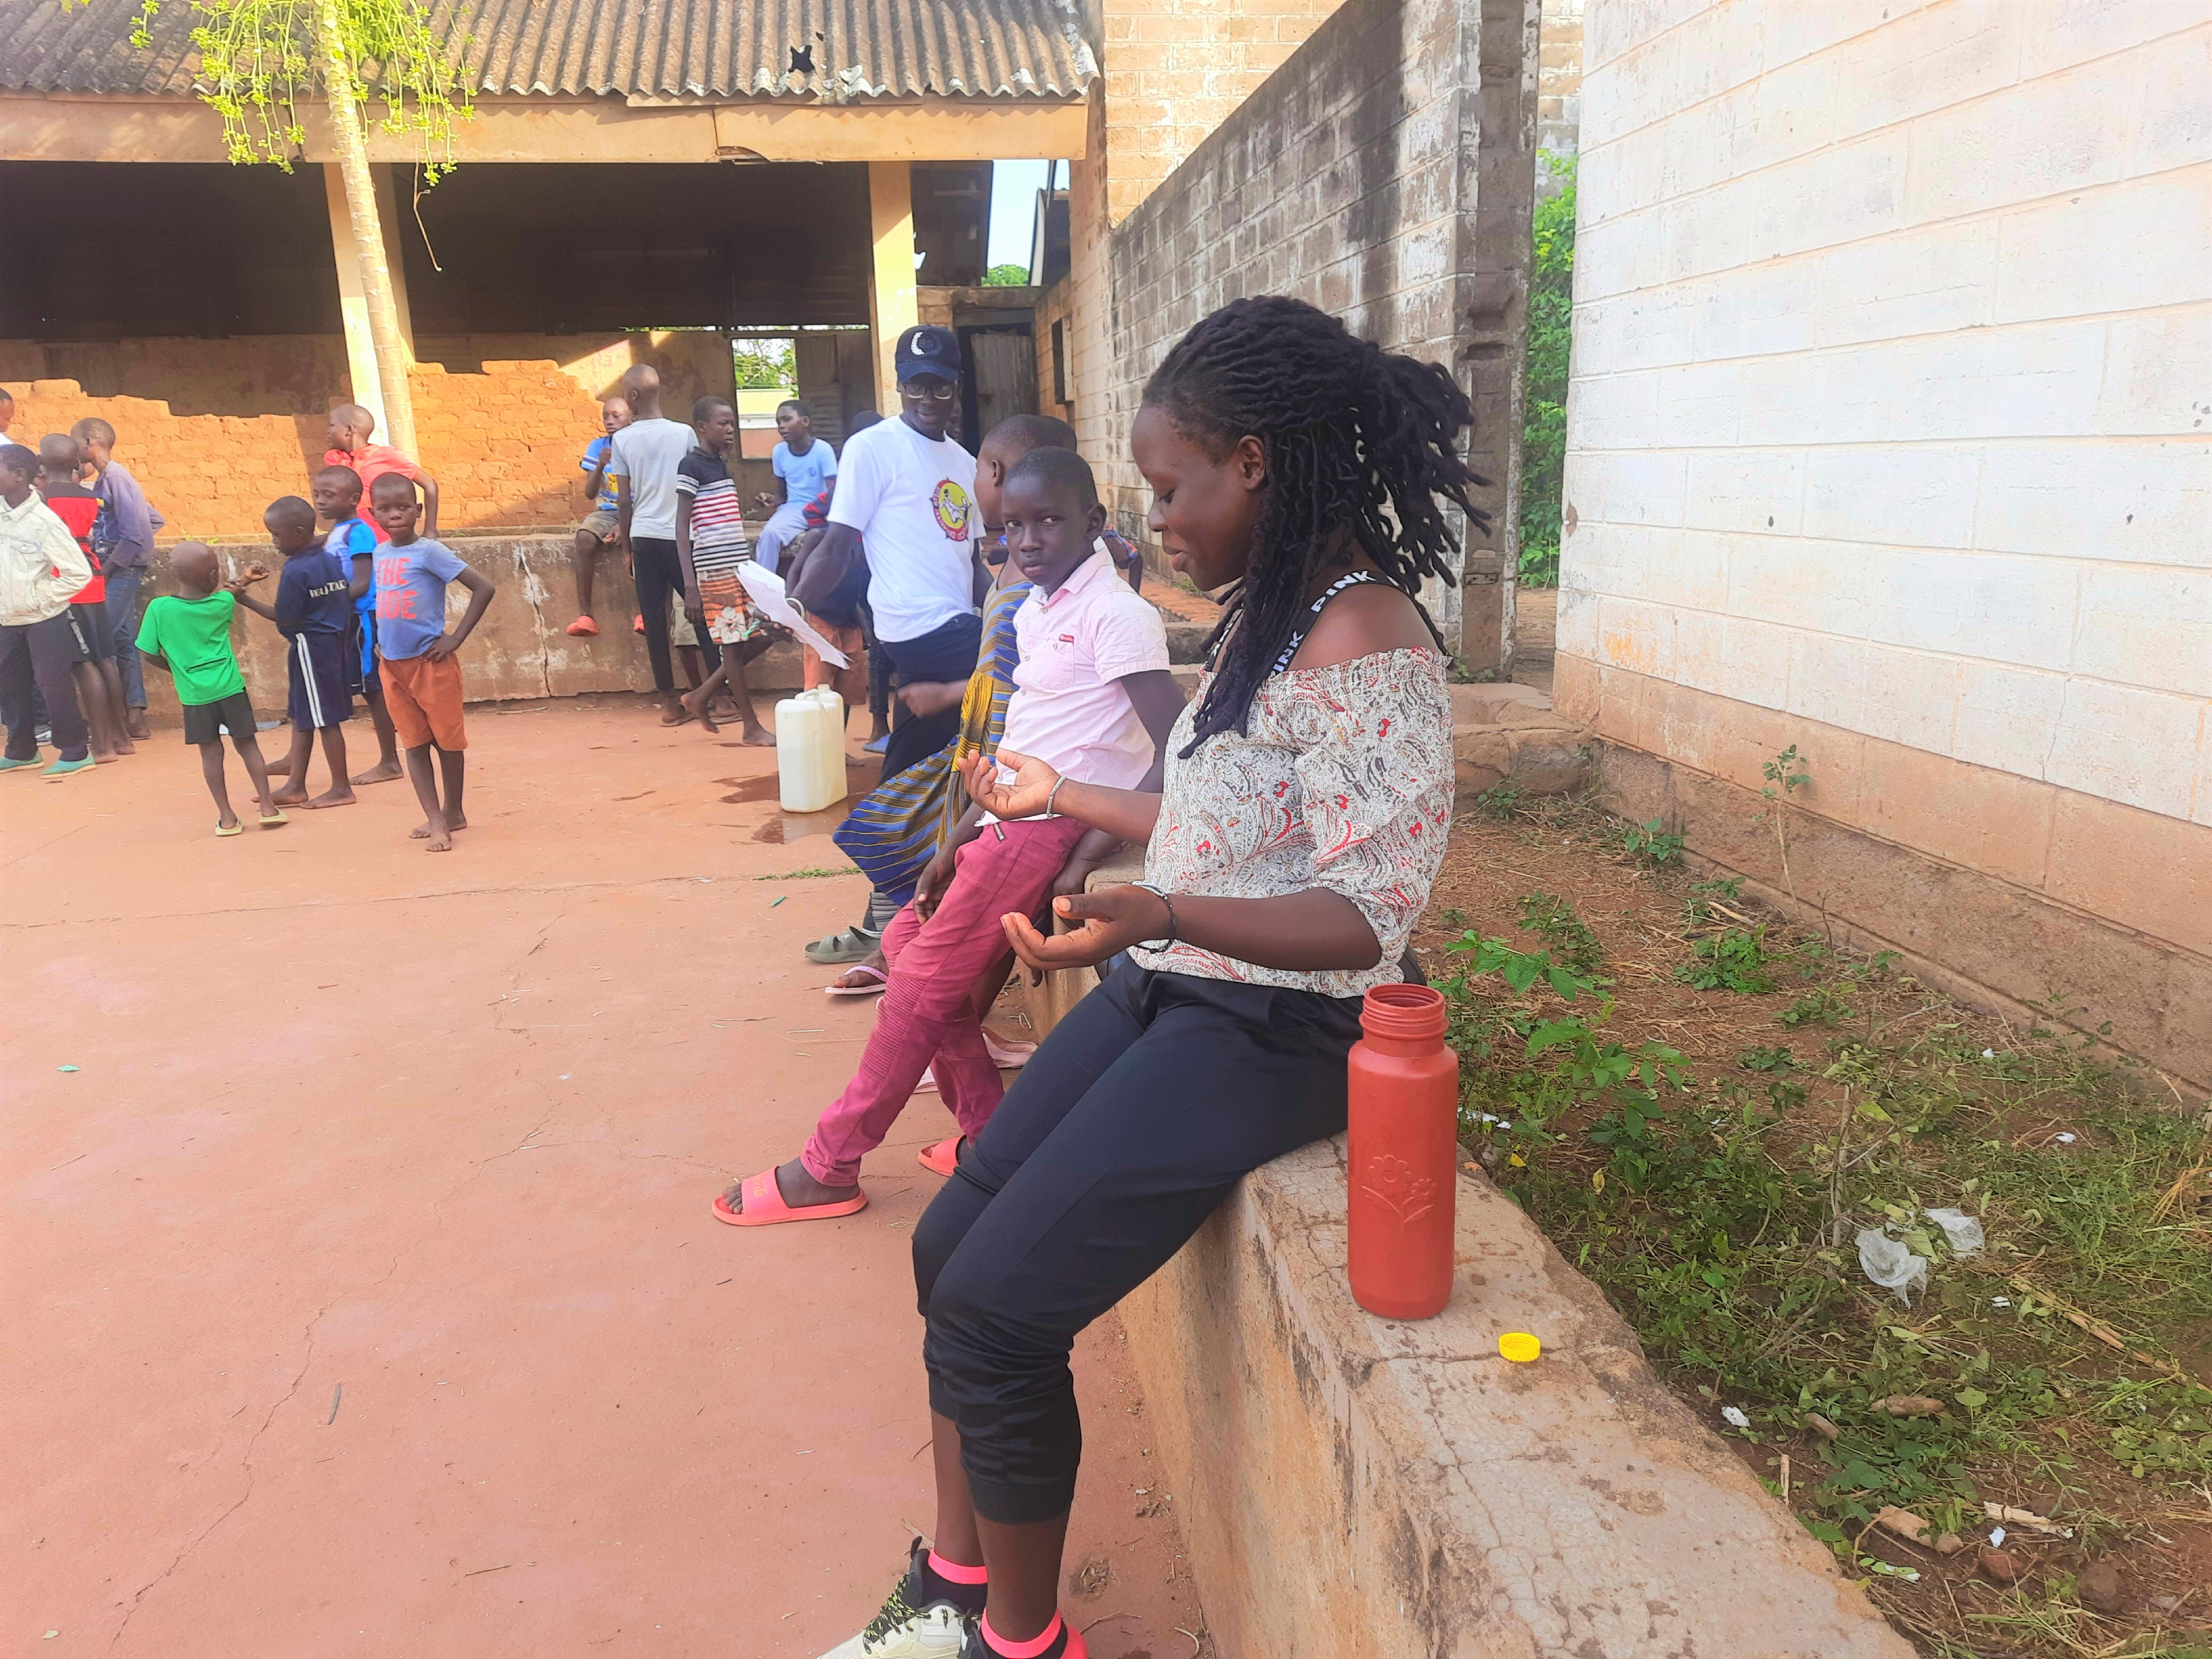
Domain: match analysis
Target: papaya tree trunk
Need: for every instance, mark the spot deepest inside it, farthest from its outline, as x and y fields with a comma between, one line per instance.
x=393, y=355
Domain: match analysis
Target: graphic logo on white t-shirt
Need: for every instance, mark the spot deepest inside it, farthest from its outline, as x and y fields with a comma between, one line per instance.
x=949, y=501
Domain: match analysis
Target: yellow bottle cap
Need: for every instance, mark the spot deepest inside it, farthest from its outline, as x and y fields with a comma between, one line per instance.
x=1519, y=1346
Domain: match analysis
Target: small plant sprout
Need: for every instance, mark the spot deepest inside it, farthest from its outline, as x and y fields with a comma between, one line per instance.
x=1785, y=777
x=1652, y=844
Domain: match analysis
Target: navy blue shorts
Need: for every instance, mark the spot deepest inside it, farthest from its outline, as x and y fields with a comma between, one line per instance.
x=99, y=637
x=321, y=686
x=360, y=655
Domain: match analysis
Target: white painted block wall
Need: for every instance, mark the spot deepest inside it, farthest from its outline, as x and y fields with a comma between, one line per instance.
x=1891, y=402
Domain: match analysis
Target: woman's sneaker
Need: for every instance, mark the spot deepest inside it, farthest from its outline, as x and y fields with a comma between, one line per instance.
x=925, y=1617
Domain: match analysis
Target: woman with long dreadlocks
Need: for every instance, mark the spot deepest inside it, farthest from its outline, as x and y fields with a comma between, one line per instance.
x=1302, y=819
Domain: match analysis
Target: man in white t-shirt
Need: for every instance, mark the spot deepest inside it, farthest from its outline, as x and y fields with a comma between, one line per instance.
x=905, y=505
x=641, y=462
x=908, y=491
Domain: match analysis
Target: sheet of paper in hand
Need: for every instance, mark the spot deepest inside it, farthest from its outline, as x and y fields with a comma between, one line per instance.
x=766, y=589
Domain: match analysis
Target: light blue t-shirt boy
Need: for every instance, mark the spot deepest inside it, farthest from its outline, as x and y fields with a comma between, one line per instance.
x=410, y=596
x=804, y=477
x=349, y=538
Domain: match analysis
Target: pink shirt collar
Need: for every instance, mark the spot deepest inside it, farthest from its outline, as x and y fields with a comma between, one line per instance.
x=1080, y=578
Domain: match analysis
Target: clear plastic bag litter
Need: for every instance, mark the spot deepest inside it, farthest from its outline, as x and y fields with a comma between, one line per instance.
x=1891, y=1264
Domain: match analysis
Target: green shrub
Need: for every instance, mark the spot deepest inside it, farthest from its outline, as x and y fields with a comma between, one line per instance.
x=1544, y=416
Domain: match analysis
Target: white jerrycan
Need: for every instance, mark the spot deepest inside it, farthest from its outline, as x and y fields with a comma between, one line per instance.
x=804, y=783
x=833, y=738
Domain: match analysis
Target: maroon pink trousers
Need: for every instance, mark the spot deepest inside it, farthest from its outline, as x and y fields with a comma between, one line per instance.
x=928, y=1017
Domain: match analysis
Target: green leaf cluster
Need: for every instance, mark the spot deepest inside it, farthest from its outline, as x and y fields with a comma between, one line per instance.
x=260, y=59
x=1651, y=843
x=1544, y=416
x=1733, y=959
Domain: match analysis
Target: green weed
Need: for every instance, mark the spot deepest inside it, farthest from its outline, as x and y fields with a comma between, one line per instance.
x=1537, y=1064
x=1784, y=778
x=1822, y=1005
x=1733, y=959
x=1553, y=920
x=1651, y=843
x=1776, y=1059
x=1501, y=802
x=1701, y=909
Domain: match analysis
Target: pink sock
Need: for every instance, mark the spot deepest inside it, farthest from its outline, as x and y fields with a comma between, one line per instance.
x=1029, y=1649
x=953, y=1573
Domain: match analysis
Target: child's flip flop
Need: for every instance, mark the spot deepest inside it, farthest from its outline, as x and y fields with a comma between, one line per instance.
x=234, y=829
x=764, y=1205
x=274, y=820
x=877, y=980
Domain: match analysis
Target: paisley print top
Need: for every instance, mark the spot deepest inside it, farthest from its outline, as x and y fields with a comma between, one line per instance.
x=1344, y=782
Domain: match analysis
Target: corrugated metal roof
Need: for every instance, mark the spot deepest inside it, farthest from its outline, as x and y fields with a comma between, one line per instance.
x=805, y=50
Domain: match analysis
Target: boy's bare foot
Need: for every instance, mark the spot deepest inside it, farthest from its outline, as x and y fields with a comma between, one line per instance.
x=134, y=724
x=125, y=746
x=703, y=712
x=338, y=795
x=382, y=772
x=756, y=736
x=797, y=1189
x=293, y=794
x=679, y=711
x=280, y=767
x=437, y=840
x=104, y=757
x=423, y=830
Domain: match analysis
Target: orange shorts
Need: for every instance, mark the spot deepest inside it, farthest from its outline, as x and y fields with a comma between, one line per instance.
x=851, y=682
x=423, y=697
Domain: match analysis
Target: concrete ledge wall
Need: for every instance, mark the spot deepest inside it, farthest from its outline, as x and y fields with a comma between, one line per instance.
x=519, y=649
x=1353, y=1488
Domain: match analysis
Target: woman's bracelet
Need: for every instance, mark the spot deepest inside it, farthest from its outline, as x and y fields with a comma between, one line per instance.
x=1052, y=795
x=1161, y=894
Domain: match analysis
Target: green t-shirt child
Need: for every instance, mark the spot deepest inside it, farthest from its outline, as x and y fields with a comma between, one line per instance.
x=194, y=634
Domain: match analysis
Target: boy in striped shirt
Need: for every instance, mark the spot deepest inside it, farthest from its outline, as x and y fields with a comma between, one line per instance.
x=710, y=545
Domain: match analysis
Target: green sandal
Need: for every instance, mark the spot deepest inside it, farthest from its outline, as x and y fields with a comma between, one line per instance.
x=842, y=950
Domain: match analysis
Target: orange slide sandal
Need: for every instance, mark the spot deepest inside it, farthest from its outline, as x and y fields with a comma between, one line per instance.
x=765, y=1205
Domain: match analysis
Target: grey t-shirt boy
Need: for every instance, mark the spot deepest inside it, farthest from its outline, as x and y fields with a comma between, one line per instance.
x=645, y=453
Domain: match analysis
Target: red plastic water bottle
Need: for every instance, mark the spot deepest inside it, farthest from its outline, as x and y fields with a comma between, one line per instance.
x=1404, y=1151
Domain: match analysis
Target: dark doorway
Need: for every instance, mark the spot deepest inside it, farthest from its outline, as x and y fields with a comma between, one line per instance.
x=1001, y=377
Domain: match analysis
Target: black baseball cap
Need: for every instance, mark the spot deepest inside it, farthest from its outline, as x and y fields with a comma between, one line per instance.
x=928, y=351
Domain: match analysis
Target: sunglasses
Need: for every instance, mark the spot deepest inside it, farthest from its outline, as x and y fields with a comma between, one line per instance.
x=938, y=391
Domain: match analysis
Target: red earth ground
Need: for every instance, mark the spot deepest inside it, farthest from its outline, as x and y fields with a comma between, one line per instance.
x=363, y=1297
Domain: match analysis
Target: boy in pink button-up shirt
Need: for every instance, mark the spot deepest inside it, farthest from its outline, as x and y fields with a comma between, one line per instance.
x=1093, y=696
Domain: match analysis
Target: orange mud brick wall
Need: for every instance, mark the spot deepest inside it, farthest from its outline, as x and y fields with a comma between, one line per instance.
x=503, y=445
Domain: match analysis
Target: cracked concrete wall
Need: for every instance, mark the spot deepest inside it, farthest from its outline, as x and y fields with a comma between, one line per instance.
x=519, y=649
x=1352, y=1487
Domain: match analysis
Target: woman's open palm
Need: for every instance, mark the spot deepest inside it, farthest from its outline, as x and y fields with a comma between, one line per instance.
x=1022, y=798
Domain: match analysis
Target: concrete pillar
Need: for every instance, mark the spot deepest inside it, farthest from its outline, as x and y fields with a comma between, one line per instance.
x=387, y=216
x=892, y=308
x=353, y=298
